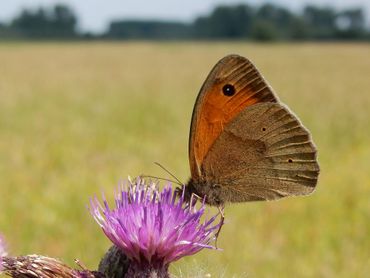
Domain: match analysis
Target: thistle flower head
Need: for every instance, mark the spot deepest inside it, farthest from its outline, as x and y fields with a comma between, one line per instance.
x=43, y=267
x=154, y=227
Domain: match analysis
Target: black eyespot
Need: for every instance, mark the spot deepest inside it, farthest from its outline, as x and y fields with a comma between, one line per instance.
x=228, y=90
x=290, y=160
x=263, y=129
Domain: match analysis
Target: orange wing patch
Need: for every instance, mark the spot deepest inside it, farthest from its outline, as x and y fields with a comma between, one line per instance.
x=214, y=109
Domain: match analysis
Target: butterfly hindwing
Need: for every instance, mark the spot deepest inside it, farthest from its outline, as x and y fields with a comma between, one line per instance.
x=264, y=153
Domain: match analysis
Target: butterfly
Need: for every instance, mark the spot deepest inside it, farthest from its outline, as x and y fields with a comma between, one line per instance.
x=244, y=144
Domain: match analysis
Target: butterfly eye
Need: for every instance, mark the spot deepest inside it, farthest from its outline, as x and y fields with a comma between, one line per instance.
x=228, y=90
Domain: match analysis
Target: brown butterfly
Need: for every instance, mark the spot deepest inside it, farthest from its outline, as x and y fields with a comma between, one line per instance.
x=244, y=144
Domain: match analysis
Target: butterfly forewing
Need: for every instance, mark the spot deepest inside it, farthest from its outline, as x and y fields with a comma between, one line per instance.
x=216, y=105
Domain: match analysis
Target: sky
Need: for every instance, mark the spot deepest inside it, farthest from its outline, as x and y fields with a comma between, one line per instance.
x=94, y=15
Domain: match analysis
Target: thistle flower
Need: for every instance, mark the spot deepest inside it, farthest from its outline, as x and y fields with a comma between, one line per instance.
x=36, y=266
x=153, y=228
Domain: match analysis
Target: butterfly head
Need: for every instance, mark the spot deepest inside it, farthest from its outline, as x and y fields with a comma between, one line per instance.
x=209, y=191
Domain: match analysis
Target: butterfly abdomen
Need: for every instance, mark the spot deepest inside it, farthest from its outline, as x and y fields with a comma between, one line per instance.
x=217, y=195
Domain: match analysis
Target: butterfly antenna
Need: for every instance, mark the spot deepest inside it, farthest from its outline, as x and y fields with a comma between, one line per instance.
x=159, y=178
x=168, y=172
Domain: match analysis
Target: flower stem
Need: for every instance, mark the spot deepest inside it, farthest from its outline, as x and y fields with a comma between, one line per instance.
x=147, y=271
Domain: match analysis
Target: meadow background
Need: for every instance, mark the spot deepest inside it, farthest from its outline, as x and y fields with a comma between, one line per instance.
x=76, y=118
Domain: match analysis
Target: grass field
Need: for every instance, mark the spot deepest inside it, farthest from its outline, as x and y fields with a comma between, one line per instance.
x=77, y=118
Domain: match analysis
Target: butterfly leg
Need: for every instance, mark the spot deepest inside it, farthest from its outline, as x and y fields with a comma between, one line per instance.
x=222, y=221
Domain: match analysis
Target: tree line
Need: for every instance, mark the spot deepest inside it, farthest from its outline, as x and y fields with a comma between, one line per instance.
x=267, y=22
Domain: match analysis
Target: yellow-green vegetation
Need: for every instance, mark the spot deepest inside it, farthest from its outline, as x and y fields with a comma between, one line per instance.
x=76, y=118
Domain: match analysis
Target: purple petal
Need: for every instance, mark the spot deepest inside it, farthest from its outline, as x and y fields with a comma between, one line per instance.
x=152, y=225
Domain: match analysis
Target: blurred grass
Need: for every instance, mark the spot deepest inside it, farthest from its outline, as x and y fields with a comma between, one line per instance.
x=77, y=118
